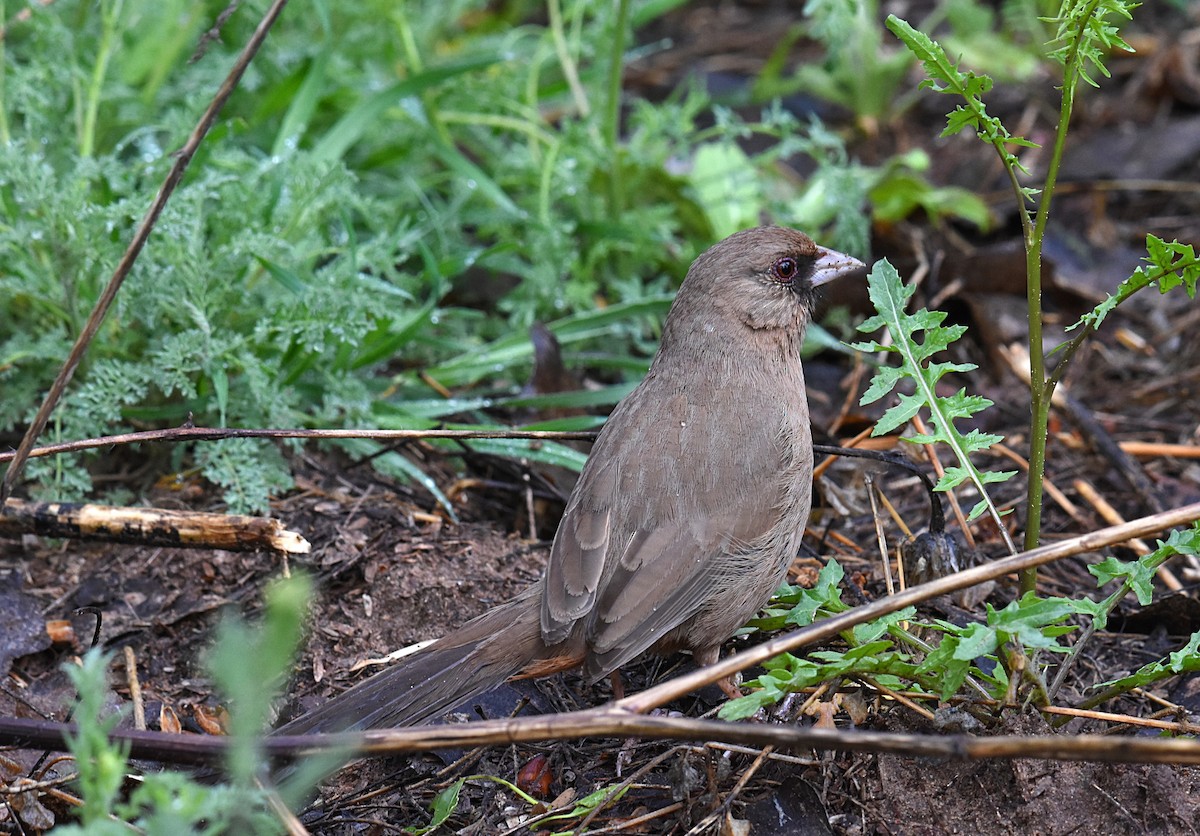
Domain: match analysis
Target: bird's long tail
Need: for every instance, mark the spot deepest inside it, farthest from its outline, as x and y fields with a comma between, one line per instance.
x=469, y=661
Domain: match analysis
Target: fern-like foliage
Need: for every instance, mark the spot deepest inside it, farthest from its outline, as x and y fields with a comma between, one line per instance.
x=1086, y=34
x=1170, y=265
x=946, y=77
x=916, y=338
x=335, y=244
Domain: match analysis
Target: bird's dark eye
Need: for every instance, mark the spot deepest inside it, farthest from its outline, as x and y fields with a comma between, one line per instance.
x=785, y=269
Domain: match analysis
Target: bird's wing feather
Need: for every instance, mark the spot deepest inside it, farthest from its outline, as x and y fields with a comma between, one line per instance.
x=631, y=580
x=664, y=577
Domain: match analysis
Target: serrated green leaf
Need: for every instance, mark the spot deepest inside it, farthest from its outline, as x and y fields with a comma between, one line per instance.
x=945, y=77
x=976, y=640
x=828, y=578
x=907, y=408
x=1185, y=659
x=916, y=337
x=951, y=669
x=952, y=477
x=1171, y=265
x=804, y=611
x=872, y=630
x=873, y=323
x=1033, y=621
x=746, y=706
x=884, y=381
x=1180, y=541
x=1139, y=576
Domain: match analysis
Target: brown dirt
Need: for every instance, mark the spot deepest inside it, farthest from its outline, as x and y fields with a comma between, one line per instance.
x=388, y=581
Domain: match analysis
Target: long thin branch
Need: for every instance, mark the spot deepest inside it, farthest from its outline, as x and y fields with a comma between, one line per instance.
x=612, y=722
x=603, y=722
x=182, y=158
x=830, y=627
x=214, y=434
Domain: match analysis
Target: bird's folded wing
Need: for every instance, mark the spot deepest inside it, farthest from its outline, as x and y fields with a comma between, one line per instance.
x=664, y=577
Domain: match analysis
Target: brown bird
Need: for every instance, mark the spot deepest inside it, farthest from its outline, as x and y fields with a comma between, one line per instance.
x=684, y=519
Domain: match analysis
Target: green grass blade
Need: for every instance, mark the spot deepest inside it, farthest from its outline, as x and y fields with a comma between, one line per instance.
x=369, y=112
x=514, y=348
x=302, y=107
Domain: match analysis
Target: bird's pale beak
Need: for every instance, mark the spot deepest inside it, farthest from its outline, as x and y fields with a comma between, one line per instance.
x=832, y=265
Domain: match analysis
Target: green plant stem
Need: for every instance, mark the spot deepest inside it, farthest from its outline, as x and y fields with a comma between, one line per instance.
x=569, y=69
x=413, y=56
x=1039, y=404
x=1064, y=667
x=547, y=177
x=526, y=127
x=1042, y=389
x=612, y=116
x=1069, y=350
x=108, y=37
x=5, y=136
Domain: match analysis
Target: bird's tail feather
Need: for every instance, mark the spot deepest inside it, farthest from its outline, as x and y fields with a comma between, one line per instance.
x=469, y=661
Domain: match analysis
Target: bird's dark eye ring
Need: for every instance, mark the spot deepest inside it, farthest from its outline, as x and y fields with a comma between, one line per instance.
x=785, y=269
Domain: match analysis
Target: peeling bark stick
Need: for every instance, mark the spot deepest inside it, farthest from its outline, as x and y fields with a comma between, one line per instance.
x=148, y=526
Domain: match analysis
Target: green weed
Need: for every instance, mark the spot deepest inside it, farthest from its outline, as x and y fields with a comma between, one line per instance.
x=376, y=160
x=899, y=651
x=249, y=666
x=1086, y=32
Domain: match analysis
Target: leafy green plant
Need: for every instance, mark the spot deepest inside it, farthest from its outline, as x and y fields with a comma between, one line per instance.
x=101, y=764
x=161, y=802
x=249, y=665
x=1007, y=43
x=888, y=652
x=941, y=658
x=1136, y=577
x=443, y=807
x=1030, y=624
x=1172, y=265
x=446, y=802
x=916, y=338
x=1186, y=659
x=583, y=806
x=1021, y=628
x=374, y=169
x=859, y=70
x=899, y=188
x=1086, y=32
x=1009, y=639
